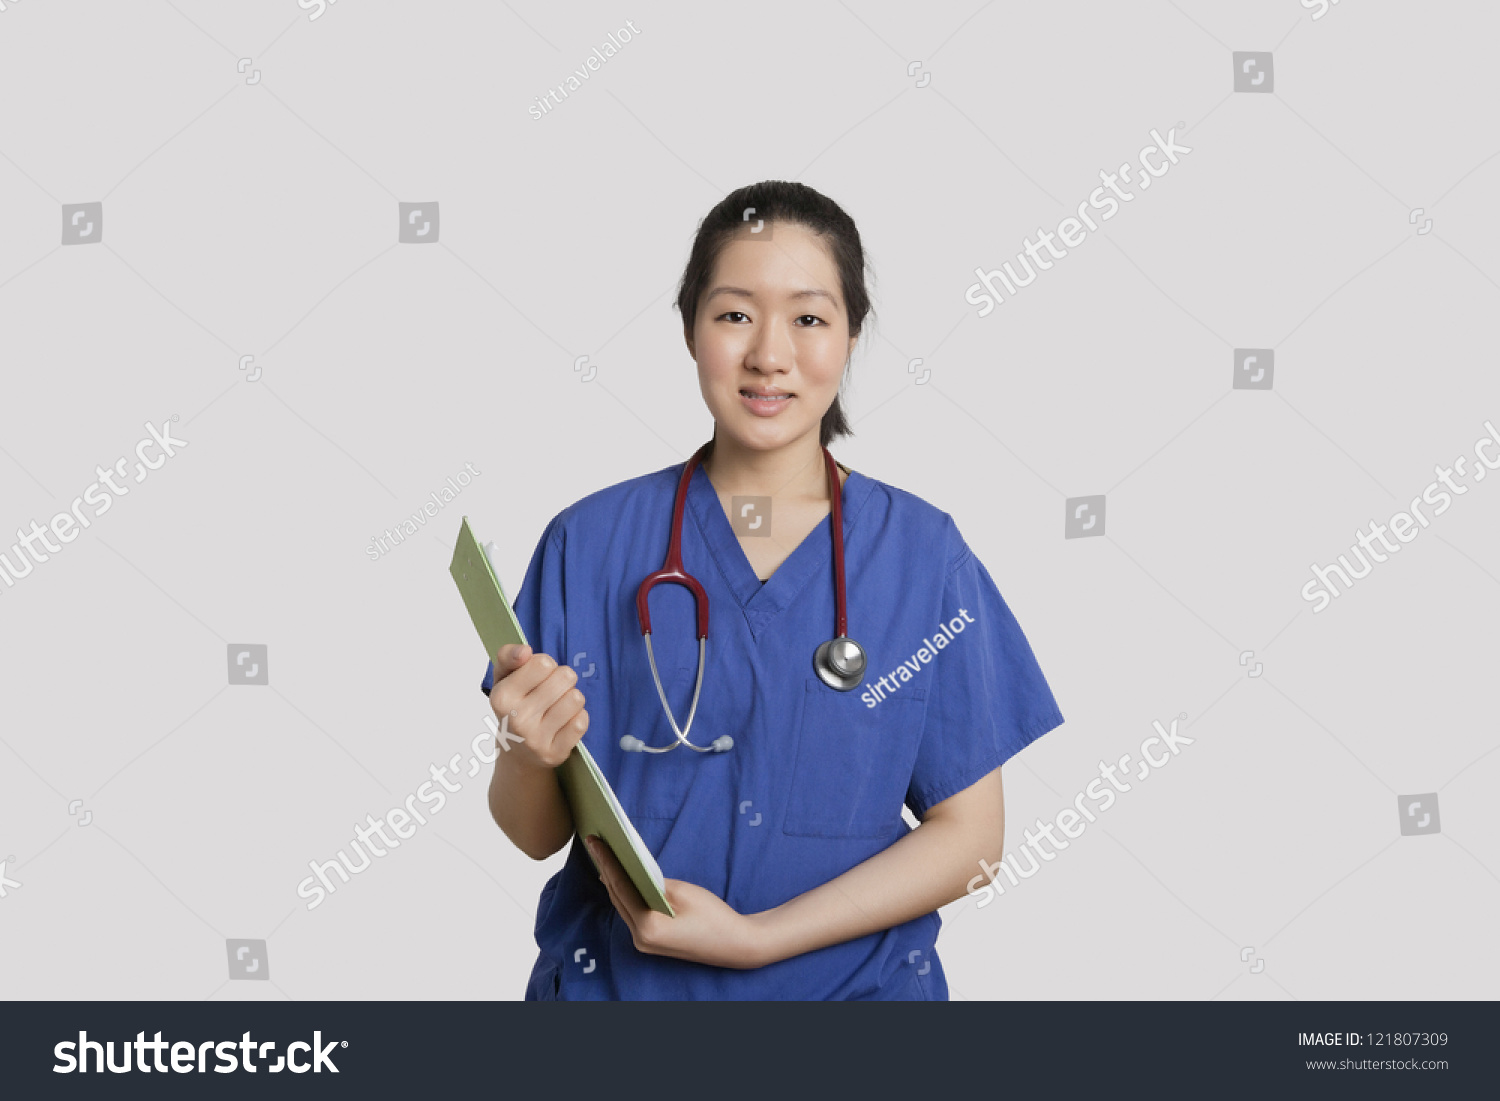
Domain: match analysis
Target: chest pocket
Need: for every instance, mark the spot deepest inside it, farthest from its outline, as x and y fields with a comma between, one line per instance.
x=854, y=762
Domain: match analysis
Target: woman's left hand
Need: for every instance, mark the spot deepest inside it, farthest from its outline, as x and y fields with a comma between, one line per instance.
x=705, y=930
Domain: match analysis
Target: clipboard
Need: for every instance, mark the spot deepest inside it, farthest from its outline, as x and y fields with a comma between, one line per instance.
x=595, y=809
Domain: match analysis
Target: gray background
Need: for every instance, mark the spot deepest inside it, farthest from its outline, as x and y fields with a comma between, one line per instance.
x=260, y=219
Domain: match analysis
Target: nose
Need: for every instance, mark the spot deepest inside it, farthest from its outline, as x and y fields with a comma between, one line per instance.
x=770, y=348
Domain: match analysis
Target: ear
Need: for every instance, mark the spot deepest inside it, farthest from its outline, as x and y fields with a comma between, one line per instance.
x=687, y=337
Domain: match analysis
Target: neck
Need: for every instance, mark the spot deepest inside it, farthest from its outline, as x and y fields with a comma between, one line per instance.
x=797, y=468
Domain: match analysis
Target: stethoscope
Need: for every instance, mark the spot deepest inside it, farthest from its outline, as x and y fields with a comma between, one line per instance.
x=839, y=662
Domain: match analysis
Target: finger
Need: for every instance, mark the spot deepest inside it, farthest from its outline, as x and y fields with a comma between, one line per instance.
x=604, y=858
x=618, y=883
x=515, y=693
x=510, y=657
x=630, y=895
x=515, y=677
x=528, y=674
x=548, y=689
x=546, y=725
x=609, y=874
x=565, y=721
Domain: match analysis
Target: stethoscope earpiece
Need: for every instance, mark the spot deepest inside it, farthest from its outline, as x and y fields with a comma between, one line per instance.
x=631, y=744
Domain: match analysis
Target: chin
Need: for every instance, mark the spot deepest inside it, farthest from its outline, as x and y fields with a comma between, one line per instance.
x=766, y=438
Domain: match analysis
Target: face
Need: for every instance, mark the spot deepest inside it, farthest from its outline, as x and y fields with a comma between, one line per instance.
x=772, y=321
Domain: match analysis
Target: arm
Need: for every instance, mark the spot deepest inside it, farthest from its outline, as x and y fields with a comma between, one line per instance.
x=929, y=867
x=545, y=718
x=527, y=804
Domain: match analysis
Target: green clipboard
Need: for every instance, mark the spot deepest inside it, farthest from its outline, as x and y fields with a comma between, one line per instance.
x=596, y=811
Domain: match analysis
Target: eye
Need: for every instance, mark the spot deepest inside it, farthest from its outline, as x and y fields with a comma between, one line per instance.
x=731, y=313
x=814, y=317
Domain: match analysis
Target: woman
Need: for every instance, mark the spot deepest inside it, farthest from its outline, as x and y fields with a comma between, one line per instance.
x=790, y=868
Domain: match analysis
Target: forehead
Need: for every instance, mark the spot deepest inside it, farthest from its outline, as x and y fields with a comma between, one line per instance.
x=794, y=263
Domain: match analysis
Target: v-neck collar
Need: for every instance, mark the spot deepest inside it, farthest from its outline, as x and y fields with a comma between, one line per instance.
x=761, y=602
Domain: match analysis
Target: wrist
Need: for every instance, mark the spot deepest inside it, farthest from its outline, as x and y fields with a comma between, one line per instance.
x=523, y=764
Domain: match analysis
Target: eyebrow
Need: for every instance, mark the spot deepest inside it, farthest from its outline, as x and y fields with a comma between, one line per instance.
x=795, y=295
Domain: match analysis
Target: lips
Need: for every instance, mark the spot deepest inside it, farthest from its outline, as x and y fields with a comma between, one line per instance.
x=765, y=403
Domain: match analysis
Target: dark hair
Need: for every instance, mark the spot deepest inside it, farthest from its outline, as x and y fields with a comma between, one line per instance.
x=782, y=202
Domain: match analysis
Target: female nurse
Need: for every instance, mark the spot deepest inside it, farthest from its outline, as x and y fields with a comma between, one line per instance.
x=787, y=860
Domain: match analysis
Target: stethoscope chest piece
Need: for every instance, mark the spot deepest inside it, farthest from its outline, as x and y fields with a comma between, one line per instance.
x=840, y=663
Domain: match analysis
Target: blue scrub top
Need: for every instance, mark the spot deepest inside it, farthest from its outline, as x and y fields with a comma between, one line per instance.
x=816, y=780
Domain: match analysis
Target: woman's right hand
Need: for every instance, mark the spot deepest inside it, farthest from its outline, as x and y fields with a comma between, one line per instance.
x=546, y=710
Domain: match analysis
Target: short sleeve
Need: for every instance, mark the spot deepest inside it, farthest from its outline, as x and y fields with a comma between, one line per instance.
x=540, y=604
x=988, y=699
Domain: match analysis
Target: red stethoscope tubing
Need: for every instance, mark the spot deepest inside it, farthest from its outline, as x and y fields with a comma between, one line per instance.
x=672, y=569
